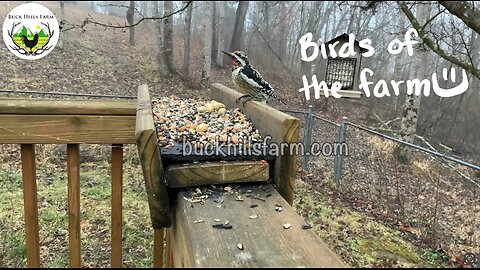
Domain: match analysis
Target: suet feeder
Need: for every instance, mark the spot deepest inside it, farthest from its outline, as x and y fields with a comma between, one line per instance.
x=344, y=70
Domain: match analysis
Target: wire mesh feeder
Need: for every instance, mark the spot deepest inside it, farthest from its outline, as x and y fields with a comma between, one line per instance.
x=341, y=70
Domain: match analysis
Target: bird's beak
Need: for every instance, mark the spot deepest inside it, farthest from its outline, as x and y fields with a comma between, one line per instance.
x=229, y=54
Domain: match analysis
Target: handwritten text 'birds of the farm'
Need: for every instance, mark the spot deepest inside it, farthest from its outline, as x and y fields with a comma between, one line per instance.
x=381, y=88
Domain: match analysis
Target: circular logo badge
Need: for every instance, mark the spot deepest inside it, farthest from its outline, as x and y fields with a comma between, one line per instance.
x=30, y=31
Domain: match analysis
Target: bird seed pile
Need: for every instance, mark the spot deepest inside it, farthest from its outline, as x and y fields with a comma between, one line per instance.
x=201, y=122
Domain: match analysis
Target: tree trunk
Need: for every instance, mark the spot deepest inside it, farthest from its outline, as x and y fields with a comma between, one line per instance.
x=221, y=33
x=186, y=41
x=130, y=20
x=238, y=30
x=207, y=46
x=282, y=45
x=61, y=38
x=168, y=36
x=214, y=32
x=408, y=127
x=159, y=42
x=399, y=63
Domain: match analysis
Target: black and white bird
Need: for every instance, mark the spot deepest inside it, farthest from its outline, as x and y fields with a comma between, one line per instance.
x=248, y=80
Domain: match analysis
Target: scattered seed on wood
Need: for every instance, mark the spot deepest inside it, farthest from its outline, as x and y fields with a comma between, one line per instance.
x=258, y=198
x=219, y=206
x=306, y=227
x=217, y=220
x=278, y=209
x=217, y=226
x=239, y=198
x=226, y=222
x=287, y=226
x=240, y=246
x=227, y=226
x=227, y=189
x=253, y=205
x=249, y=191
x=199, y=221
x=254, y=216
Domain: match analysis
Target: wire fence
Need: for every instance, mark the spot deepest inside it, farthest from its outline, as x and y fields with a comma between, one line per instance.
x=434, y=199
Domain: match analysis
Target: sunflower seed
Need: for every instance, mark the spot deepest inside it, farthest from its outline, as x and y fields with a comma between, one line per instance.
x=287, y=226
x=240, y=246
x=306, y=227
x=217, y=220
x=199, y=221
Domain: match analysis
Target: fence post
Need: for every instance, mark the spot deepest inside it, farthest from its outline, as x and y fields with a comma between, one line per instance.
x=339, y=157
x=307, y=137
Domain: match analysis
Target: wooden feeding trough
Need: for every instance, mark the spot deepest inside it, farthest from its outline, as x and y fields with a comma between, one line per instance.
x=230, y=211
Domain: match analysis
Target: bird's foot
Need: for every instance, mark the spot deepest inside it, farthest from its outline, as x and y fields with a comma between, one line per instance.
x=245, y=97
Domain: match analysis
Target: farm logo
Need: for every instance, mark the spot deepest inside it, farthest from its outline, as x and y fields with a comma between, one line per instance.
x=30, y=31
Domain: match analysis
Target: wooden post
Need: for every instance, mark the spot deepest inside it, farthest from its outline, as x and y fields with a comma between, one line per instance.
x=149, y=152
x=117, y=179
x=280, y=127
x=170, y=262
x=30, y=207
x=158, y=242
x=73, y=164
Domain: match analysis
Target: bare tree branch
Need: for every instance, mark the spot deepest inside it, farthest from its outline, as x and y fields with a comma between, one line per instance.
x=435, y=47
x=91, y=20
x=465, y=12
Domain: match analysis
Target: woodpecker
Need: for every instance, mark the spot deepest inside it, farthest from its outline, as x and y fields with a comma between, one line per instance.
x=248, y=80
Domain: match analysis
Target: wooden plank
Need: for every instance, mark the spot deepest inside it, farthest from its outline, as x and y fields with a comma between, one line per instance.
x=158, y=242
x=30, y=205
x=117, y=184
x=282, y=128
x=205, y=173
x=67, y=129
x=170, y=260
x=66, y=107
x=266, y=243
x=149, y=153
x=73, y=165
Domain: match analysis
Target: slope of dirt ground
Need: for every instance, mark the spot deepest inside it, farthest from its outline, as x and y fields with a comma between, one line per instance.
x=362, y=222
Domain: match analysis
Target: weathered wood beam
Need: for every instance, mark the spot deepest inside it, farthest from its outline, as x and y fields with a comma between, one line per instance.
x=282, y=128
x=205, y=173
x=67, y=129
x=260, y=231
x=149, y=153
x=66, y=107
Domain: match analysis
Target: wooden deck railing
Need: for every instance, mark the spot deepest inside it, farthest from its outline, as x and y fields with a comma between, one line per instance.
x=272, y=243
x=28, y=122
